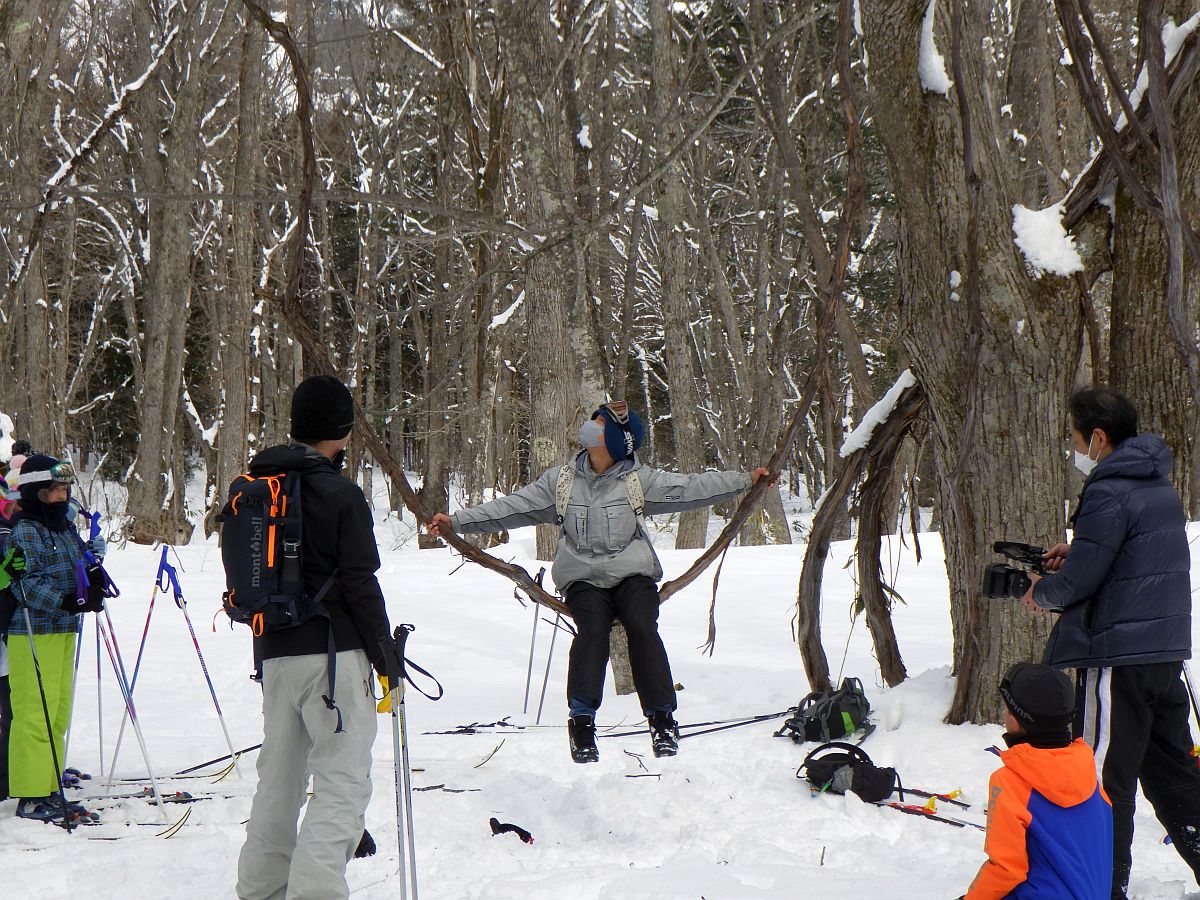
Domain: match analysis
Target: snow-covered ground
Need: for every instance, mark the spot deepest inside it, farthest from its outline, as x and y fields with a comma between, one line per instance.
x=727, y=818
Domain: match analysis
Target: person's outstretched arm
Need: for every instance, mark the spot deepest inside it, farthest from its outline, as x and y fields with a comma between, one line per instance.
x=533, y=504
x=672, y=492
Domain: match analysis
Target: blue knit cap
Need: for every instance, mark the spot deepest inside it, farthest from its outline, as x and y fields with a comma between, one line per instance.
x=621, y=440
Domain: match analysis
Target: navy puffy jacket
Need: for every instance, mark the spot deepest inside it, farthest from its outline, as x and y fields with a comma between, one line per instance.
x=1124, y=589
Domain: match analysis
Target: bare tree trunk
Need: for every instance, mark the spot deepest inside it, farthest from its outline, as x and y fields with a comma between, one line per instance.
x=677, y=308
x=557, y=383
x=1007, y=332
x=153, y=512
x=1145, y=360
x=34, y=33
x=235, y=350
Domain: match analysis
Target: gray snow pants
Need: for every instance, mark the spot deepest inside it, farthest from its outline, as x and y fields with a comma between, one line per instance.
x=276, y=863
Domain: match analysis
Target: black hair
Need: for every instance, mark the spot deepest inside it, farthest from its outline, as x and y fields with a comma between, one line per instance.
x=22, y=447
x=1106, y=408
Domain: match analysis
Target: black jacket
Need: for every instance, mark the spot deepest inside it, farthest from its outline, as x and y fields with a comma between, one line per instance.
x=1124, y=590
x=338, y=534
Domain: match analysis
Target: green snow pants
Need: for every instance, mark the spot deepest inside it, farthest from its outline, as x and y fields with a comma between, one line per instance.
x=30, y=763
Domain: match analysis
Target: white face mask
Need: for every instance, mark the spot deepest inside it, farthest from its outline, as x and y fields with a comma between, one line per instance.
x=1083, y=461
x=591, y=434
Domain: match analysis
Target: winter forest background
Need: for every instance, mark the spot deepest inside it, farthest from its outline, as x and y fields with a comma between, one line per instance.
x=489, y=217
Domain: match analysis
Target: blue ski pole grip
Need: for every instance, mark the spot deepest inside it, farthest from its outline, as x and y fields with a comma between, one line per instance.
x=168, y=577
x=162, y=570
x=94, y=531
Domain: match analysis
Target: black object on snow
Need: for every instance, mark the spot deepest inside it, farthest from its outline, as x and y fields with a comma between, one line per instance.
x=366, y=846
x=499, y=827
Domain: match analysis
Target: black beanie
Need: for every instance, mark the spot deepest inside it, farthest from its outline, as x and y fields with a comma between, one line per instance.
x=1042, y=699
x=29, y=486
x=322, y=410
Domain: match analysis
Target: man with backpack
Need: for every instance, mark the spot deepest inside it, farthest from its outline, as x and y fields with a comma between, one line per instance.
x=605, y=565
x=307, y=583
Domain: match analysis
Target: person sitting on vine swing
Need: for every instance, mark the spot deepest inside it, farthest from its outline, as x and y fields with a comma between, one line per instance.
x=605, y=565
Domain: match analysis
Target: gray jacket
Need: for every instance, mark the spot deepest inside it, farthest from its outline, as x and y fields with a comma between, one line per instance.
x=601, y=542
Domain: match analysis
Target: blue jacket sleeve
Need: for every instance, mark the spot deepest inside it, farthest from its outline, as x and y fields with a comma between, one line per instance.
x=1100, y=529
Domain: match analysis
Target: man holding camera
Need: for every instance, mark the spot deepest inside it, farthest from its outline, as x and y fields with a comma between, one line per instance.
x=1122, y=588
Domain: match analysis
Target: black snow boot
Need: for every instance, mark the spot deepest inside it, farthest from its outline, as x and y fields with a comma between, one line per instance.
x=582, y=731
x=366, y=846
x=664, y=734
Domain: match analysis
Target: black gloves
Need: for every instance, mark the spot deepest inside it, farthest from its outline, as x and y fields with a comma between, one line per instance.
x=94, y=602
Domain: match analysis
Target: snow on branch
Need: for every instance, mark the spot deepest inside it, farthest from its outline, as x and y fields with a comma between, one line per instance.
x=502, y=318
x=877, y=414
x=1041, y=237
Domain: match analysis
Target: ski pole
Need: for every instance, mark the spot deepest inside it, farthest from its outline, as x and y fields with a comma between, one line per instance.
x=394, y=663
x=74, y=681
x=211, y=762
x=549, y=659
x=397, y=692
x=137, y=665
x=114, y=656
x=165, y=569
x=532, y=644
x=529, y=670
x=99, y=698
x=408, y=806
x=37, y=670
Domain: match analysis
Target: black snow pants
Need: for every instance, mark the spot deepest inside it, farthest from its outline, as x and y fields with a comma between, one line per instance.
x=1135, y=718
x=635, y=602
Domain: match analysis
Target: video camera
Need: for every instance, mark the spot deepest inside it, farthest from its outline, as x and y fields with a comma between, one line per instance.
x=1002, y=581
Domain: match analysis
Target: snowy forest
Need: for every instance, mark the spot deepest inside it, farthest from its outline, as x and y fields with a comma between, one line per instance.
x=749, y=219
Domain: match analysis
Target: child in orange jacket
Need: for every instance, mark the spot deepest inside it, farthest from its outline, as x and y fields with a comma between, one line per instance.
x=1049, y=828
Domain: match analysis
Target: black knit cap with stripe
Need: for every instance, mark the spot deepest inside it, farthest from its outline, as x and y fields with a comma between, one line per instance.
x=1041, y=698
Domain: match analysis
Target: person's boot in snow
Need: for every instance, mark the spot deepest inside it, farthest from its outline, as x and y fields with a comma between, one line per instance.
x=50, y=809
x=366, y=846
x=582, y=731
x=664, y=734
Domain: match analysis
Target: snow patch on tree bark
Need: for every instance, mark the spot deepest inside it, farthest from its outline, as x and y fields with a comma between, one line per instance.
x=932, y=67
x=1041, y=237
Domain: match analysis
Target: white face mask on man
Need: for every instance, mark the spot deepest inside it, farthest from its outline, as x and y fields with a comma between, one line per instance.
x=1083, y=461
x=591, y=434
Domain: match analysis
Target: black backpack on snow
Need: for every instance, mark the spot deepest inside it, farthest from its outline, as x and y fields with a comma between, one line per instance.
x=838, y=767
x=828, y=716
x=261, y=549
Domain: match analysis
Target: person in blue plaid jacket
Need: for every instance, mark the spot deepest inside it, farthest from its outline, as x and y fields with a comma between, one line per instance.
x=48, y=594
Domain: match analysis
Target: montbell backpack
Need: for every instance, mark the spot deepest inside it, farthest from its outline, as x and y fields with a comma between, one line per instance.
x=261, y=549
